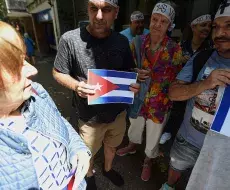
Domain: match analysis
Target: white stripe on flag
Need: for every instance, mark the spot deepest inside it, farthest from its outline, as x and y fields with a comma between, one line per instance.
x=119, y=93
x=225, y=130
x=123, y=81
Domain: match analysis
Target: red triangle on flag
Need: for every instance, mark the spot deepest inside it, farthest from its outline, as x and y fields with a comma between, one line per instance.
x=103, y=86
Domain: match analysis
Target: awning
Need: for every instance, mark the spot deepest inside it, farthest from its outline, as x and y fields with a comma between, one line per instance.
x=43, y=6
x=18, y=14
x=16, y=8
x=16, y=5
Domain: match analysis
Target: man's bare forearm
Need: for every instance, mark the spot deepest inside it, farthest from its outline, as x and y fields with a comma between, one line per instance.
x=182, y=91
x=65, y=80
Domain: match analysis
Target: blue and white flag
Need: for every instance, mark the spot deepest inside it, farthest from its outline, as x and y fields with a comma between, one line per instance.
x=111, y=86
x=221, y=122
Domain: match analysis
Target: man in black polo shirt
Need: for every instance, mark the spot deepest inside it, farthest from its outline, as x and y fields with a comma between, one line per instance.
x=96, y=46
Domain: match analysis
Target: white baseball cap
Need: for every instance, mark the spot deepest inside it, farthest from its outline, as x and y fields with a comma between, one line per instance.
x=224, y=9
x=166, y=10
x=137, y=15
x=111, y=2
x=201, y=19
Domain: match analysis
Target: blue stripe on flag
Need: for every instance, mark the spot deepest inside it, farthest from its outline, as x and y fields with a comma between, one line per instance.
x=123, y=87
x=104, y=100
x=222, y=111
x=108, y=73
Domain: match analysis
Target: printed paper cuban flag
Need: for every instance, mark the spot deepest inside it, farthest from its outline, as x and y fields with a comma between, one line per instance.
x=221, y=122
x=111, y=86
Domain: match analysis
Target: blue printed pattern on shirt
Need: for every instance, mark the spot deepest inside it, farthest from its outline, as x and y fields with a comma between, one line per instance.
x=49, y=157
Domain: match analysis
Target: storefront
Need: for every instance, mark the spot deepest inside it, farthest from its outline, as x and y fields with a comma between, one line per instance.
x=43, y=23
x=19, y=18
x=45, y=18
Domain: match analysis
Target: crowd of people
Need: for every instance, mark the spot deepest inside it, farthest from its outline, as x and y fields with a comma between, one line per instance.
x=176, y=82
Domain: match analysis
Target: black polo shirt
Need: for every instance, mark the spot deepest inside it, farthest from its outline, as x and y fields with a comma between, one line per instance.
x=79, y=51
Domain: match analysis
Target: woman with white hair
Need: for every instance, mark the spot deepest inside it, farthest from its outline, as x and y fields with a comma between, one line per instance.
x=158, y=59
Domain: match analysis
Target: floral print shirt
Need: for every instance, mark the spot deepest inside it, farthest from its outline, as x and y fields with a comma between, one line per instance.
x=165, y=63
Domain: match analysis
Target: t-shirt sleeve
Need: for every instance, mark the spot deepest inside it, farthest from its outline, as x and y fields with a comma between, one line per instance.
x=186, y=74
x=62, y=61
x=122, y=32
x=146, y=31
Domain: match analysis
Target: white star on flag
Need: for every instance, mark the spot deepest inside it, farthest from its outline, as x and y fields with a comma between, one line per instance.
x=98, y=87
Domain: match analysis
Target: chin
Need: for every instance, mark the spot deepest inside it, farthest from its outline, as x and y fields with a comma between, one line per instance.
x=140, y=32
x=27, y=95
x=203, y=36
x=101, y=33
x=223, y=50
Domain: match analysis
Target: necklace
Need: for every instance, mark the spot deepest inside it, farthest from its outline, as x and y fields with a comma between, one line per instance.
x=153, y=50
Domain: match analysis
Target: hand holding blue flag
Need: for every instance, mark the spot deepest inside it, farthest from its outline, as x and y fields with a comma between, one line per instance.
x=112, y=86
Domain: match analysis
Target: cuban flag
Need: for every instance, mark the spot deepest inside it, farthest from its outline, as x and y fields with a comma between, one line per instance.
x=111, y=86
x=221, y=122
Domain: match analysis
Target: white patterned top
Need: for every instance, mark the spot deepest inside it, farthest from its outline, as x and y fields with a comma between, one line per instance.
x=49, y=156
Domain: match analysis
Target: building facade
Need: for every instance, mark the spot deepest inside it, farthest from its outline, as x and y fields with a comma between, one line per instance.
x=47, y=20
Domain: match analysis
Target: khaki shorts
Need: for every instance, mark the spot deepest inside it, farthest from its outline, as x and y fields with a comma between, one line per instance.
x=111, y=134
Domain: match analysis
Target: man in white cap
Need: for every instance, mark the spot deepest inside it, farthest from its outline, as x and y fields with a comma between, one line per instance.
x=158, y=58
x=203, y=95
x=137, y=26
x=90, y=47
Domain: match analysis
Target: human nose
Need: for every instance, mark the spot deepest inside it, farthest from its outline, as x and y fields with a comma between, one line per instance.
x=220, y=32
x=158, y=23
x=99, y=14
x=29, y=70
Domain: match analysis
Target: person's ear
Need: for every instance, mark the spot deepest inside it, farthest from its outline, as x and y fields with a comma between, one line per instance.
x=193, y=27
x=117, y=12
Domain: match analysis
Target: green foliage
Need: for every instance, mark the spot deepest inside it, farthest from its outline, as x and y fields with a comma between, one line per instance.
x=3, y=11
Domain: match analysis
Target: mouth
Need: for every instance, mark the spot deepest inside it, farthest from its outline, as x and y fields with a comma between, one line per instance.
x=28, y=86
x=221, y=41
x=100, y=24
x=205, y=33
x=155, y=29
